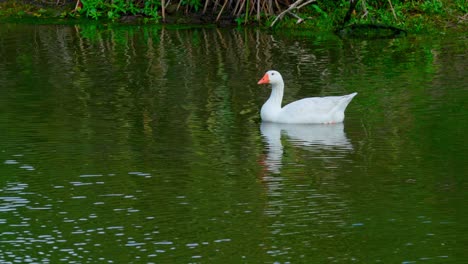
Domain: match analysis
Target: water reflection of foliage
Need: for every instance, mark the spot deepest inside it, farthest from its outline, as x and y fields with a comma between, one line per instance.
x=140, y=64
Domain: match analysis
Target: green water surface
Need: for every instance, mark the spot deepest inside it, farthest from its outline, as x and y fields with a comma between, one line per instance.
x=144, y=145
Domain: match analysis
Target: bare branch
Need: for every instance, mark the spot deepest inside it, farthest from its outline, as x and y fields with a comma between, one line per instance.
x=296, y=5
x=393, y=10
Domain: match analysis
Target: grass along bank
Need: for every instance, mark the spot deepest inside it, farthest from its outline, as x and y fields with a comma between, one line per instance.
x=317, y=15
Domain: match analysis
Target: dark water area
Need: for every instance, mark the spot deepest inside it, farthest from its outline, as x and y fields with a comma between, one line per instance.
x=145, y=145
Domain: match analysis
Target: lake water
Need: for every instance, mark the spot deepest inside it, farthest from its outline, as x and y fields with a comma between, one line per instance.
x=144, y=145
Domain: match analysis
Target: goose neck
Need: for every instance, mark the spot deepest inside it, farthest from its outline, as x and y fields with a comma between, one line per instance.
x=276, y=96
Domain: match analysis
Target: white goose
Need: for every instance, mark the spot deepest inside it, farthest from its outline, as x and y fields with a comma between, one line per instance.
x=312, y=110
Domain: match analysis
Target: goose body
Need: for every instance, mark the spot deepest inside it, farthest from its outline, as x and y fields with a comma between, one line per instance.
x=312, y=110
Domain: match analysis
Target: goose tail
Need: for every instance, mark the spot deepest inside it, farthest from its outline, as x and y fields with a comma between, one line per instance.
x=343, y=103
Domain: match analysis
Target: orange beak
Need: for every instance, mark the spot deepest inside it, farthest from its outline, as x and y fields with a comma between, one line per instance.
x=264, y=80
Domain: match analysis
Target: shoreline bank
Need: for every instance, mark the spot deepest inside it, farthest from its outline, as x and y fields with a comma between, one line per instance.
x=412, y=20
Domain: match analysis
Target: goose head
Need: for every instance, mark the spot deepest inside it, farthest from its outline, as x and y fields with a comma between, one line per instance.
x=271, y=77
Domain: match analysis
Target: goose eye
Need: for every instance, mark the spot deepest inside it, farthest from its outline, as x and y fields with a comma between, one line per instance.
x=272, y=73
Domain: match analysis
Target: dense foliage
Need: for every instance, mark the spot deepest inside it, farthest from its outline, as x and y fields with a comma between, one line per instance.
x=114, y=9
x=323, y=14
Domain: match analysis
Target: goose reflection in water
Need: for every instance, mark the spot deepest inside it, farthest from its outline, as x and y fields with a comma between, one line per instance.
x=313, y=137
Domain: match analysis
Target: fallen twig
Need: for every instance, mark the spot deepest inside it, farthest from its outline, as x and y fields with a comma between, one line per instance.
x=393, y=10
x=299, y=19
x=364, y=8
x=163, y=10
x=296, y=5
x=463, y=18
x=222, y=9
x=78, y=6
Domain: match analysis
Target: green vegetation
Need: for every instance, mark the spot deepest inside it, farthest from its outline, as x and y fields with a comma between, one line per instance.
x=115, y=9
x=411, y=15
